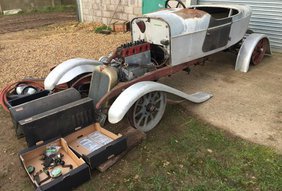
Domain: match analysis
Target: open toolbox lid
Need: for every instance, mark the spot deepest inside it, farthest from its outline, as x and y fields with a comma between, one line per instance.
x=42, y=104
x=58, y=122
x=96, y=144
x=38, y=103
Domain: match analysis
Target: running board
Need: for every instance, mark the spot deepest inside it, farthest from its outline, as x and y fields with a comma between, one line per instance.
x=198, y=97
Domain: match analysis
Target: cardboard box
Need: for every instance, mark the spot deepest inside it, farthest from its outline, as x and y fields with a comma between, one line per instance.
x=115, y=146
x=69, y=178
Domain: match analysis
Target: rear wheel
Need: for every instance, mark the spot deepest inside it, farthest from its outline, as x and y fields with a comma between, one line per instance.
x=174, y=4
x=147, y=112
x=259, y=51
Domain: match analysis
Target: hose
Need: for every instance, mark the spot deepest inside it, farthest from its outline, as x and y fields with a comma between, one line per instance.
x=4, y=93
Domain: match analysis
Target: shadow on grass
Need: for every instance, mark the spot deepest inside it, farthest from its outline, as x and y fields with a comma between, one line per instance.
x=183, y=153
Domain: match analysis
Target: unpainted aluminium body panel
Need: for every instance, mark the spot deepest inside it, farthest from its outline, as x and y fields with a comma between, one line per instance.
x=156, y=31
x=189, y=29
x=246, y=50
x=129, y=96
x=68, y=70
x=266, y=18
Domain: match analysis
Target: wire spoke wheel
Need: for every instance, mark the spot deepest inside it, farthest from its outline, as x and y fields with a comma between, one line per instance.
x=174, y=4
x=147, y=112
x=259, y=51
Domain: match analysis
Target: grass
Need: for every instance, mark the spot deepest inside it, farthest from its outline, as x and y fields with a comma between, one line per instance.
x=57, y=8
x=102, y=28
x=183, y=153
x=47, y=9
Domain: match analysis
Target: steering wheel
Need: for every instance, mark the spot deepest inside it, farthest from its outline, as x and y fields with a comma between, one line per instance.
x=174, y=4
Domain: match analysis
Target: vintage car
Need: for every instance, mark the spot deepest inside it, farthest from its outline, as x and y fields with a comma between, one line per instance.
x=163, y=43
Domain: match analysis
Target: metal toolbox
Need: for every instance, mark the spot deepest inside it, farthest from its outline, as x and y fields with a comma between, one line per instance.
x=39, y=105
x=58, y=122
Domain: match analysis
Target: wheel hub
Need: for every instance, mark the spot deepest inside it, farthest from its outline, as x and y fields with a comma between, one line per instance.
x=148, y=111
x=150, y=108
x=259, y=51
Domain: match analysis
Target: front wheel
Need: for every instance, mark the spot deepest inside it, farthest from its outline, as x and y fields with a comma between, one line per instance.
x=147, y=111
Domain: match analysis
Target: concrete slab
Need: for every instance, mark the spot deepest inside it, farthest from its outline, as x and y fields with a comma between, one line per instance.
x=248, y=105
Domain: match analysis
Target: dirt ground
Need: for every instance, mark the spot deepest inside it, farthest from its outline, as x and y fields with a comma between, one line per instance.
x=15, y=23
x=248, y=105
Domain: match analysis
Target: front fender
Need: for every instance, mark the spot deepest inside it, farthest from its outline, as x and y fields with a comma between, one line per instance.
x=129, y=96
x=68, y=70
x=246, y=50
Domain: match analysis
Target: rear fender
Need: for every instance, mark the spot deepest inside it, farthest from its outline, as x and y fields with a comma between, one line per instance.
x=129, y=96
x=68, y=70
x=246, y=50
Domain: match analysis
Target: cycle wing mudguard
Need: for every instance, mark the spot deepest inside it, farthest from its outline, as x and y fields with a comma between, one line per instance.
x=247, y=50
x=129, y=96
x=68, y=70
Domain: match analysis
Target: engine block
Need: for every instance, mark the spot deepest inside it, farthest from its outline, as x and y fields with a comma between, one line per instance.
x=137, y=60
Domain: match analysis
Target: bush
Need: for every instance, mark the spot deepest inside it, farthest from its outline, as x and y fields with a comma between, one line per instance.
x=102, y=28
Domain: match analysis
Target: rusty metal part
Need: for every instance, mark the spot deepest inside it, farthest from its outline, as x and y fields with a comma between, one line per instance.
x=252, y=50
x=190, y=13
x=82, y=84
x=76, y=83
x=259, y=51
x=151, y=76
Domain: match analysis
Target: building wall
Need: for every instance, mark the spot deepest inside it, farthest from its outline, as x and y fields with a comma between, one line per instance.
x=103, y=10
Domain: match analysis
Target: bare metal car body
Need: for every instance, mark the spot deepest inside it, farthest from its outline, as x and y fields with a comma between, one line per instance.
x=163, y=43
x=194, y=32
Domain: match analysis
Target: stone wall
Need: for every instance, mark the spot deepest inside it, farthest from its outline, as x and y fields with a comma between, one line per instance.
x=103, y=10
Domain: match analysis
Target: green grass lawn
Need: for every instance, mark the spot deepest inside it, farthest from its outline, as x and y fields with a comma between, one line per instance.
x=185, y=154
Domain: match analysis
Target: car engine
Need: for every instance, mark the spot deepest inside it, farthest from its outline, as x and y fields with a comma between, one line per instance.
x=134, y=59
